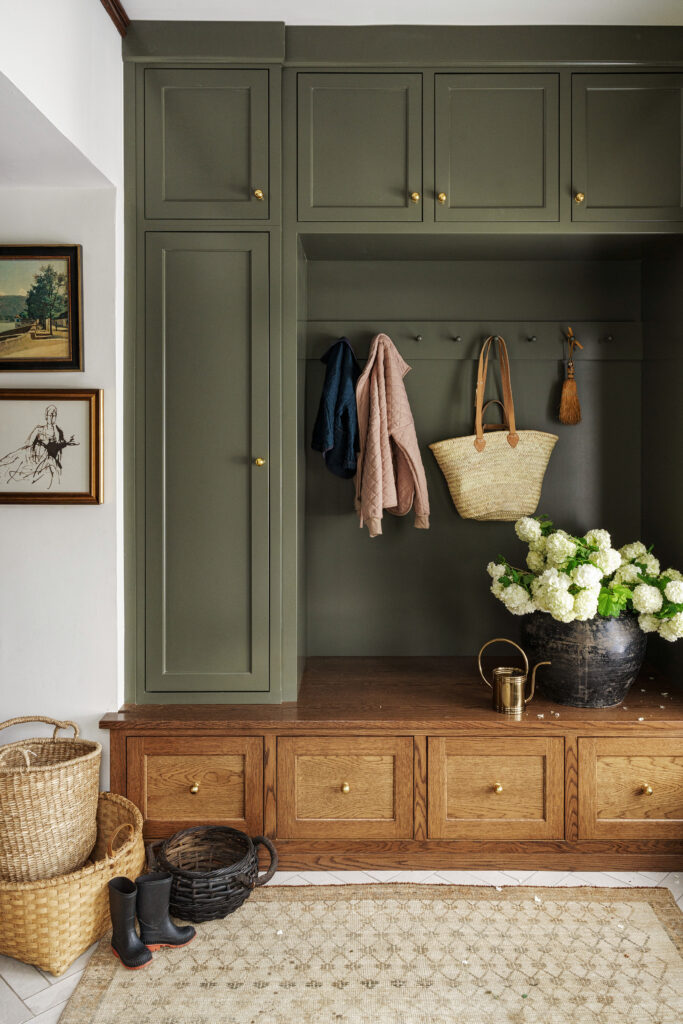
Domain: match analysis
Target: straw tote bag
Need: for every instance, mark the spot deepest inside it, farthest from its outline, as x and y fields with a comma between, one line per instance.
x=498, y=476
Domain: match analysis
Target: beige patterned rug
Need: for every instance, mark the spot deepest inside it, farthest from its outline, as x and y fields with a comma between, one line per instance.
x=409, y=954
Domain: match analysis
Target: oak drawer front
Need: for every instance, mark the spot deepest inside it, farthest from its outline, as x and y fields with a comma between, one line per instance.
x=630, y=788
x=180, y=782
x=351, y=788
x=497, y=788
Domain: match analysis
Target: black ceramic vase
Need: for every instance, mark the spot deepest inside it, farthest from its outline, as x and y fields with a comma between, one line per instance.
x=593, y=663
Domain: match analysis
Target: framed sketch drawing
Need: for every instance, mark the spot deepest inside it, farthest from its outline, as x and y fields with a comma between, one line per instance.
x=50, y=446
x=40, y=307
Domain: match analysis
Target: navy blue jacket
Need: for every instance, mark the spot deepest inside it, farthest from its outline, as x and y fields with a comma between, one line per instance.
x=335, y=433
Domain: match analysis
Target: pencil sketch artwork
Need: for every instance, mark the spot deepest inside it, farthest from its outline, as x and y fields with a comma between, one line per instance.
x=39, y=460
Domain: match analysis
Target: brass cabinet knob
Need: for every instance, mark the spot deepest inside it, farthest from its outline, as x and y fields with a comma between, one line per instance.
x=258, y=193
x=194, y=788
x=442, y=197
x=415, y=197
x=259, y=462
x=646, y=789
x=497, y=787
x=345, y=788
x=579, y=198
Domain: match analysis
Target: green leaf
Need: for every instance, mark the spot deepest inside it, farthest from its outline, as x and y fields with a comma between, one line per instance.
x=613, y=600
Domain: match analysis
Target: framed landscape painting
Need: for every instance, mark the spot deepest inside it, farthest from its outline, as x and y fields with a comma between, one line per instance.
x=40, y=307
x=50, y=446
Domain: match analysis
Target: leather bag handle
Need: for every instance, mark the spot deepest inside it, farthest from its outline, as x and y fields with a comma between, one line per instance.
x=508, y=404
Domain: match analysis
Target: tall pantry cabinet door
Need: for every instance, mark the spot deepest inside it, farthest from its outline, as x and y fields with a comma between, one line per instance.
x=626, y=147
x=206, y=368
x=206, y=143
x=497, y=155
x=360, y=147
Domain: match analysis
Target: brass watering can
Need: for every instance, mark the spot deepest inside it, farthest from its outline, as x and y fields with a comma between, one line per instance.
x=509, y=683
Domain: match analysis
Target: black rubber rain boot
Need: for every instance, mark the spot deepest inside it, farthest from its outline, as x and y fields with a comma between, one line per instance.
x=156, y=927
x=125, y=943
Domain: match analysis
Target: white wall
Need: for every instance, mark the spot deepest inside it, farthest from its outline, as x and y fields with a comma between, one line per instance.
x=61, y=622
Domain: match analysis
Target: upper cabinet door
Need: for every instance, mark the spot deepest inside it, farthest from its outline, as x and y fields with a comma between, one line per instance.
x=206, y=462
x=626, y=147
x=360, y=147
x=206, y=144
x=497, y=147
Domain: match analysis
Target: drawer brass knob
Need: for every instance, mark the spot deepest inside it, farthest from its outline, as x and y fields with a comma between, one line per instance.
x=345, y=788
x=415, y=197
x=497, y=787
x=579, y=198
x=259, y=462
x=258, y=193
x=646, y=789
x=194, y=788
x=442, y=197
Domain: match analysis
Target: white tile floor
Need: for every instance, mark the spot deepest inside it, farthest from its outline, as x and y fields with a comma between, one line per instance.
x=27, y=994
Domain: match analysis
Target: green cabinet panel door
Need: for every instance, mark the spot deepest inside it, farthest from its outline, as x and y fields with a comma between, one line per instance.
x=206, y=500
x=626, y=147
x=496, y=147
x=206, y=143
x=360, y=147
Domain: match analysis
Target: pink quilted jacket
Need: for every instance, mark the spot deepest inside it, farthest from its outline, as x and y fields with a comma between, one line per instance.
x=390, y=472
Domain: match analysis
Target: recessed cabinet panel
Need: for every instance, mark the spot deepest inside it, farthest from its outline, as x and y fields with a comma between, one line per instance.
x=206, y=420
x=496, y=147
x=627, y=147
x=630, y=788
x=360, y=147
x=496, y=788
x=206, y=143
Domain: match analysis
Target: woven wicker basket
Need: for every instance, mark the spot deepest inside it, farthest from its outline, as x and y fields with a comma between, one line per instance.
x=498, y=476
x=48, y=803
x=49, y=923
x=214, y=870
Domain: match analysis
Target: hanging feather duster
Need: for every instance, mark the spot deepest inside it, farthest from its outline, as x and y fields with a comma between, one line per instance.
x=570, y=408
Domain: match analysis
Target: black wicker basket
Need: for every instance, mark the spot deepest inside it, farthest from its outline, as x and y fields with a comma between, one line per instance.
x=214, y=870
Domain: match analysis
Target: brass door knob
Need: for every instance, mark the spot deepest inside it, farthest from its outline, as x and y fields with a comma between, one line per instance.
x=345, y=788
x=194, y=788
x=646, y=789
x=415, y=197
x=258, y=193
x=579, y=198
x=442, y=197
x=497, y=788
x=259, y=462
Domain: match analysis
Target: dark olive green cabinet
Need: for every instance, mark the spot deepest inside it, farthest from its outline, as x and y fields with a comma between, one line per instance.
x=360, y=147
x=206, y=430
x=627, y=147
x=496, y=147
x=206, y=143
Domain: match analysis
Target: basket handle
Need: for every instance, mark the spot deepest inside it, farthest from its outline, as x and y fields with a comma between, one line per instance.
x=24, y=751
x=262, y=841
x=42, y=718
x=509, y=407
x=114, y=836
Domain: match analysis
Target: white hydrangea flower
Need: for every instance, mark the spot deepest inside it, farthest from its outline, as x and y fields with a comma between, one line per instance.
x=560, y=604
x=600, y=538
x=559, y=548
x=647, y=598
x=651, y=564
x=539, y=545
x=586, y=604
x=528, y=529
x=649, y=623
x=608, y=561
x=672, y=629
x=674, y=592
x=535, y=561
x=673, y=574
x=497, y=589
x=495, y=570
x=517, y=600
x=588, y=575
x=628, y=573
x=634, y=550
